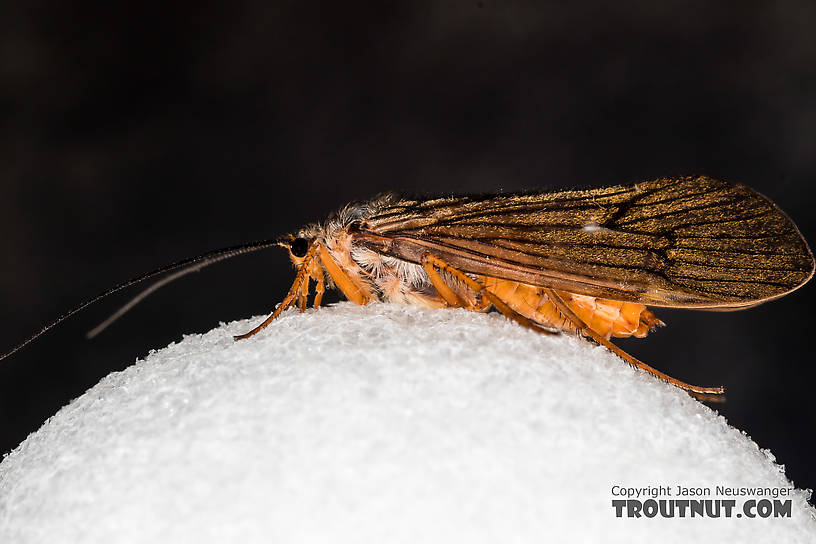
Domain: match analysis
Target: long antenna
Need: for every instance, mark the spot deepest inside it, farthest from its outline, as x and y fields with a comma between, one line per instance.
x=193, y=264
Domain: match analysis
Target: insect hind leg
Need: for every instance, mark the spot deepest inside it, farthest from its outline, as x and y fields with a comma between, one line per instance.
x=431, y=263
x=702, y=393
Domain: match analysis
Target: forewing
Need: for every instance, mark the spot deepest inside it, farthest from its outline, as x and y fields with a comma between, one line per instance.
x=685, y=242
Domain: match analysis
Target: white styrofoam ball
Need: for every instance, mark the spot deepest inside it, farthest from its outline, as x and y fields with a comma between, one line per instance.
x=379, y=424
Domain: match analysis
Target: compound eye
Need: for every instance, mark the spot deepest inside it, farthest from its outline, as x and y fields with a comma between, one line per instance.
x=299, y=247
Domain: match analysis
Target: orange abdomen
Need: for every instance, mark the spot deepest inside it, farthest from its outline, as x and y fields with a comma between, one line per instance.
x=606, y=317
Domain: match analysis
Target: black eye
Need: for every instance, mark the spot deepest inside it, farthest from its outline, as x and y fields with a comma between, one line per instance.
x=299, y=247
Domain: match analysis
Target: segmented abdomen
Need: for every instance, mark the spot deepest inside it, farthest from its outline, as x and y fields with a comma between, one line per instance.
x=606, y=317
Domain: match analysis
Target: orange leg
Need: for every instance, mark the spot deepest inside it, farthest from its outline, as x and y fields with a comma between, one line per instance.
x=343, y=281
x=304, y=293
x=320, y=285
x=449, y=295
x=701, y=392
x=430, y=262
x=299, y=292
x=295, y=293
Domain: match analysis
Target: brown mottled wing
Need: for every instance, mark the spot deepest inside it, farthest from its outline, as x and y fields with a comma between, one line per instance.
x=683, y=242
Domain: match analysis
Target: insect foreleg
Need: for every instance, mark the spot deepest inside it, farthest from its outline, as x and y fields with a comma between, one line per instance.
x=320, y=285
x=295, y=293
x=431, y=261
x=304, y=293
x=585, y=329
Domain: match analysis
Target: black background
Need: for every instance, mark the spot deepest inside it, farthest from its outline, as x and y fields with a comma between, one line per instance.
x=136, y=135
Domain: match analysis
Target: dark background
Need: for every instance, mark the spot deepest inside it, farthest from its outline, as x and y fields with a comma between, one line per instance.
x=136, y=135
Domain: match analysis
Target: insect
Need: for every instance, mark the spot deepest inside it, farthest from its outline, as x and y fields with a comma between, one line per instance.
x=587, y=262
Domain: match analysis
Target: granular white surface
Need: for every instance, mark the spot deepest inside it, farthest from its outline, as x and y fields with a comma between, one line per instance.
x=379, y=424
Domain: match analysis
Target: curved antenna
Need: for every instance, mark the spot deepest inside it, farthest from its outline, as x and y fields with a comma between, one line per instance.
x=184, y=267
